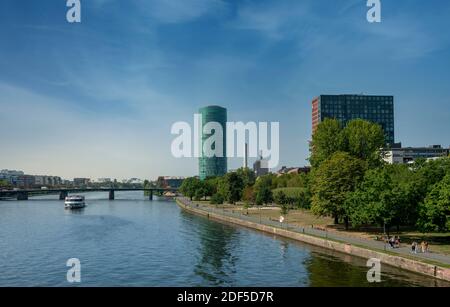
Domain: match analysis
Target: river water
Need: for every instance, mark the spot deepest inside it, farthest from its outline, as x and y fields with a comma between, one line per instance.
x=132, y=241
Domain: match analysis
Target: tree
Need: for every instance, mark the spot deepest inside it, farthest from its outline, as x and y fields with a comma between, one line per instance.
x=264, y=196
x=435, y=211
x=281, y=198
x=364, y=140
x=190, y=186
x=263, y=190
x=326, y=141
x=231, y=187
x=378, y=200
x=360, y=138
x=217, y=199
x=284, y=209
x=420, y=181
x=248, y=176
x=248, y=195
x=5, y=184
x=333, y=181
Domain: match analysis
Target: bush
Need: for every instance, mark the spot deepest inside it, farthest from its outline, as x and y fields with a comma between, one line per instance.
x=298, y=197
x=217, y=199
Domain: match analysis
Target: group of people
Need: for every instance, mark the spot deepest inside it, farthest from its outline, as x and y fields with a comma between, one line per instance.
x=394, y=242
x=417, y=248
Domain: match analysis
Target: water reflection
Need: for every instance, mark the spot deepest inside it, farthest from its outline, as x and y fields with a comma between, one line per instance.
x=216, y=263
x=137, y=242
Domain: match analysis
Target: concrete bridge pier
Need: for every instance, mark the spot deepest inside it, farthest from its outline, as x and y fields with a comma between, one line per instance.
x=22, y=196
x=63, y=195
x=111, y=195
x=151, y=195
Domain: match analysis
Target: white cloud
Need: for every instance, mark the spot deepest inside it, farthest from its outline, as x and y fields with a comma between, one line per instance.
x=273, y=19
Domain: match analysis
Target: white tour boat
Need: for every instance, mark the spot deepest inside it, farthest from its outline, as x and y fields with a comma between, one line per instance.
x=74, y=202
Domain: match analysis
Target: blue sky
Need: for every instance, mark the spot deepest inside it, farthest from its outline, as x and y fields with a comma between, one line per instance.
x=98, y=98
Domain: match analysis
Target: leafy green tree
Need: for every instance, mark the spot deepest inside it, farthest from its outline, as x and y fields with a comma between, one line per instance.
x=333, y=181
x=263, y=189
x=360, y=138
x=435, y=211
x=379, y=200
x=248, y=195
x=212, y=184
x=231, y=187
x=199, y=194
x=248, y=176
x=4, y=184
x=264, y=196
x=326, y=141
x=419, y=181
x=217, y=199
x=363, y=140
x=284, y=209
x=190, y=186
x=281, y=198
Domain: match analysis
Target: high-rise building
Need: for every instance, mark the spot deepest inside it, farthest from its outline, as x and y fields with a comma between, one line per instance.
x=213, y=166
x=377, y=109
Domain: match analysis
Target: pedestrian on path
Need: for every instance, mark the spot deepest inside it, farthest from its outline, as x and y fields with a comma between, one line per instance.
x=422, y=245
x=414, y=247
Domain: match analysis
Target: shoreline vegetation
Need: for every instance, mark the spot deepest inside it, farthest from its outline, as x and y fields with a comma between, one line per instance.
x=350, y=191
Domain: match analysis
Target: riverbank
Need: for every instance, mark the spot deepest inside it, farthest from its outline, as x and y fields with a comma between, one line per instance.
x=433, y=268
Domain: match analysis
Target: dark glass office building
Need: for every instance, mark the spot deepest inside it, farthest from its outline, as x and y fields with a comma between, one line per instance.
x=214, y=166
x=377, y=109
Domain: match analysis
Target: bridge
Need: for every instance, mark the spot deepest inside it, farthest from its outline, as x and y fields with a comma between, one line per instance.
x=63, y=193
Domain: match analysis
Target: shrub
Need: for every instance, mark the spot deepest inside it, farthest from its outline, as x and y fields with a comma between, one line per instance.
x=217, y=199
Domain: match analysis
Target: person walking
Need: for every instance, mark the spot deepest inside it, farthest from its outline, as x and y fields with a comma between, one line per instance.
x=422, y=245
x=414, y=247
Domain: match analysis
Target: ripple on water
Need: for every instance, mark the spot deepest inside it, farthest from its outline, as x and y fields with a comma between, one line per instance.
x=142, y=243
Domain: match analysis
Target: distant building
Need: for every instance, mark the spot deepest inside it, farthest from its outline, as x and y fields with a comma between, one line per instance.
x=41, y=181
x=410, y=154
x=377, y=109
x=25, y=181
x=81, y=181
x=169, y=182
x=11, y=176
x=294, y=170
x=104, y=180
x=21, y=180
x=213, y=166
x=135, y=181
x=261, y=167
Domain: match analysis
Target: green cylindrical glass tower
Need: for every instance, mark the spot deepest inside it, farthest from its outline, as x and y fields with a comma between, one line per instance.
x=213, y=166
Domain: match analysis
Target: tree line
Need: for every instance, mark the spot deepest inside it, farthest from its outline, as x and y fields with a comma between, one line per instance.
x=349, y=181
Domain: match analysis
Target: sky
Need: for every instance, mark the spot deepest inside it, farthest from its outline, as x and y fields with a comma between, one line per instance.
x=98, y=98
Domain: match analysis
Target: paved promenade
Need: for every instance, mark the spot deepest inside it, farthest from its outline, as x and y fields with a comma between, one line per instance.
x=332, y=235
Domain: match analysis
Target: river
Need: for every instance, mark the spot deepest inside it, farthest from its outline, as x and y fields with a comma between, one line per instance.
x=132, y=241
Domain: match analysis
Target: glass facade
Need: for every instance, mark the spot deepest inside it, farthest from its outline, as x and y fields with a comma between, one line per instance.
x=377, y=109
x=214, y=166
